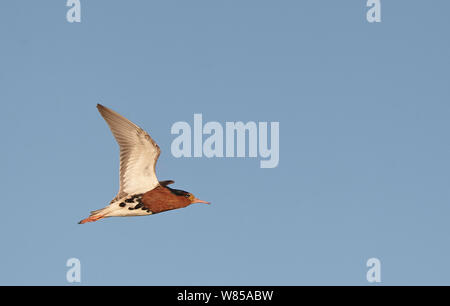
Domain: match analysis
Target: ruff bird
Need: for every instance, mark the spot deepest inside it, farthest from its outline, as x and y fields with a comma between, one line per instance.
x=140, y=192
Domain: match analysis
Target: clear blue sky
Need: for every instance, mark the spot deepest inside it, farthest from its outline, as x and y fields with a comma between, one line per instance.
x=364, y=141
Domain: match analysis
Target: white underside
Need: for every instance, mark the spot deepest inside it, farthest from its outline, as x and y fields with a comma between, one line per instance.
x=114, y=210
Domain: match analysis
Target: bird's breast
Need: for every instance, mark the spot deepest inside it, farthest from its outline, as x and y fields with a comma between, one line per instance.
x=161, y=199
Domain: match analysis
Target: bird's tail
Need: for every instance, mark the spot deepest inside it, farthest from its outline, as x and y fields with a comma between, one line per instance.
x=95, y=216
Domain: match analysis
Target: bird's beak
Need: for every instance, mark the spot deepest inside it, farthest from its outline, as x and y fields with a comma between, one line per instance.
x=200, y=201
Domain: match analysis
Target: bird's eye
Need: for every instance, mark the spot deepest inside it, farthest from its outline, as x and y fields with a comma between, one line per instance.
x=187, y=195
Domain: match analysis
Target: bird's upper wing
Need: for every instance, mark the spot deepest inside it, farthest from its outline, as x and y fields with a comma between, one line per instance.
x=138, y=154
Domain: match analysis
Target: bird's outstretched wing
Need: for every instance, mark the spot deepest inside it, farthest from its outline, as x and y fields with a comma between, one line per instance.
x=138, y=154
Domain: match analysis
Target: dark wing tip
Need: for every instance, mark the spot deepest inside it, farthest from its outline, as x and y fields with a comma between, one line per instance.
x=165, y=183
x=104, y=111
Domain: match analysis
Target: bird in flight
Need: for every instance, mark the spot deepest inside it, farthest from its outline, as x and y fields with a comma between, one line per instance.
x=140, y=192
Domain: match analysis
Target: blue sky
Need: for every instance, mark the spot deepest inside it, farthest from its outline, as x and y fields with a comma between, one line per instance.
x=364, y=149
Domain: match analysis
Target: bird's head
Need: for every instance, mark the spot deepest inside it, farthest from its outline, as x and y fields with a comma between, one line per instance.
x=186, y=198
x=192, y=199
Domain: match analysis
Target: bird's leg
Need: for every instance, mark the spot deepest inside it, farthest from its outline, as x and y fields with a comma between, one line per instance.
x=91, y=219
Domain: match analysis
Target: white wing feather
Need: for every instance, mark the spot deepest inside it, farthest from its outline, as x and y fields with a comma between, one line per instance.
x=138, y=154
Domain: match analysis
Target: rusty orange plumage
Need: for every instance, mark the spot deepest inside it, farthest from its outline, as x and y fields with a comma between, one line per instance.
x=140, y=192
